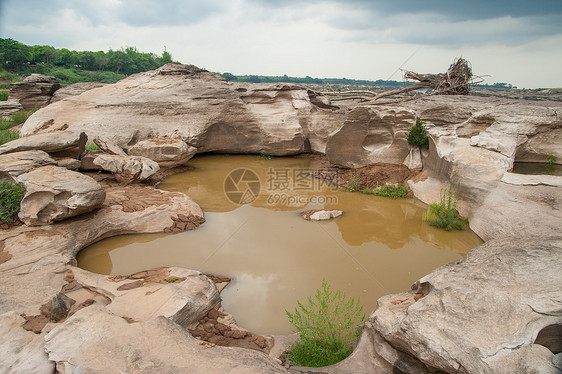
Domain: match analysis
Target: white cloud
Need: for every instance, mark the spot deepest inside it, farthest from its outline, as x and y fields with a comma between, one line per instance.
x=321, y=38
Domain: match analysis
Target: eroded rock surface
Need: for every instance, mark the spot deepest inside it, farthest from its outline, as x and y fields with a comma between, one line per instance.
x=35, y=91
x=184, y=296
x=199, y=108
x=155, y=346
x=59, y=144
x=74, y=89
x=482, y=313
x=167, y=152
x=127, y=169
x=14, y=164
x=53, y=193
x=22, y=351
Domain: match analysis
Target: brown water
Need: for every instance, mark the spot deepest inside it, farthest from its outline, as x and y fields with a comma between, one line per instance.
x=537, y=168
x=379, y=246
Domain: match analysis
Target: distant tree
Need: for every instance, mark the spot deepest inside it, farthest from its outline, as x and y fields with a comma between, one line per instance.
x=13, y=53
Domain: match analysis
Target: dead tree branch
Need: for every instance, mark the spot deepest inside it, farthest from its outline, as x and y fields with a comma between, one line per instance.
x=456, y=81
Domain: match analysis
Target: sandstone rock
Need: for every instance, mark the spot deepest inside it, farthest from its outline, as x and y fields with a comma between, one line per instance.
x=109, y=147
x=54, y=193
x=60, y=306
x=371, y=135
x=57, y=144
x=74, y=89
x=167, y=152
x=40, y=255
x=539, y=147
x=414, y=159
x=197, y=107
x=155, y=346
x=22, y=351
x=34, y=91
x=184, y=302
x=17, y=163
x=127, y=169
x=9, y=107
x=69, y=163
x=321, y=215
x=488, y=323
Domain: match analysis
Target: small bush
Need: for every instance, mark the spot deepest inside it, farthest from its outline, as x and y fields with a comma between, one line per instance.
x=328, y=327
x=11, y=195
x=8, y=135
x=354, y=183
x=551, y=160
x=21, y=116
x=92, y=147
x=394, y=191
x=444, y=214
x=418, y=134
x=264, y=156
x=4, y=95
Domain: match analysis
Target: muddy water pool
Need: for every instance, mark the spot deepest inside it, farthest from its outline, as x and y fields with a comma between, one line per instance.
x=254, y=234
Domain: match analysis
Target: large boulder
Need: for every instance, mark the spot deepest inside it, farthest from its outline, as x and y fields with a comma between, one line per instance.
x=34, y=91
x=58, y=144
x=9, y=107
x=54, y=193
x=74, y=89
x=14, y=164
x=496, y=310
x=371, y=135
x=186, y=299
x=127, y=169
x=95, y=341
x=167, y=152
x=199, y=108
x=39, y=257
x=22, y=350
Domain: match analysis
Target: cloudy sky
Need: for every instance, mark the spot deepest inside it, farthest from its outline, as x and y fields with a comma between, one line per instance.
x=513, y=41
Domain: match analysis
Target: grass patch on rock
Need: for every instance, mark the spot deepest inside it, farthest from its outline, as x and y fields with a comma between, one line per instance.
x=328, y=327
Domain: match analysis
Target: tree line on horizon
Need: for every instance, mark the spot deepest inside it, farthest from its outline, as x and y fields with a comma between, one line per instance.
x=15, y=56
x=70, y=66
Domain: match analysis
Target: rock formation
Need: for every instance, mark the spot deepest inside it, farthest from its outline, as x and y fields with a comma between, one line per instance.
x=496, y=310
x=167, y=152
x=34, y=91
x=54, y=193
x=199, y=108
x=74, y=89
x=491, y=320
x=127, y=169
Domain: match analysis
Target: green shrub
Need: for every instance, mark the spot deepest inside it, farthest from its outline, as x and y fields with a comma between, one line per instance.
x=354, y=183
x=21, y=116
x=10, y=198
x=394, y=191
x=418, y=134
x=551, y=160
x=4, y=95
x=8, y=135
x=92, y=147
x=444, y=214
x=264, y=155
x=328, y=327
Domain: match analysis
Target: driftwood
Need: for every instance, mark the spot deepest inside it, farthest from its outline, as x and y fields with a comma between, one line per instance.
x=456, y=81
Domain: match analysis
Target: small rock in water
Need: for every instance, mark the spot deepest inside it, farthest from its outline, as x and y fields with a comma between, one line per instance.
x=321, y=215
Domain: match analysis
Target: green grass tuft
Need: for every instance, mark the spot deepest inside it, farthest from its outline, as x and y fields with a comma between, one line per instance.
x=11, y=194
x=394, y=191
x=444, y=214
x=8, y=135
x=328, y=327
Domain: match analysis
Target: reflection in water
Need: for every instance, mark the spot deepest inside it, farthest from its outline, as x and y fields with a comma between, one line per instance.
x=378, y=246
x=537, y=168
